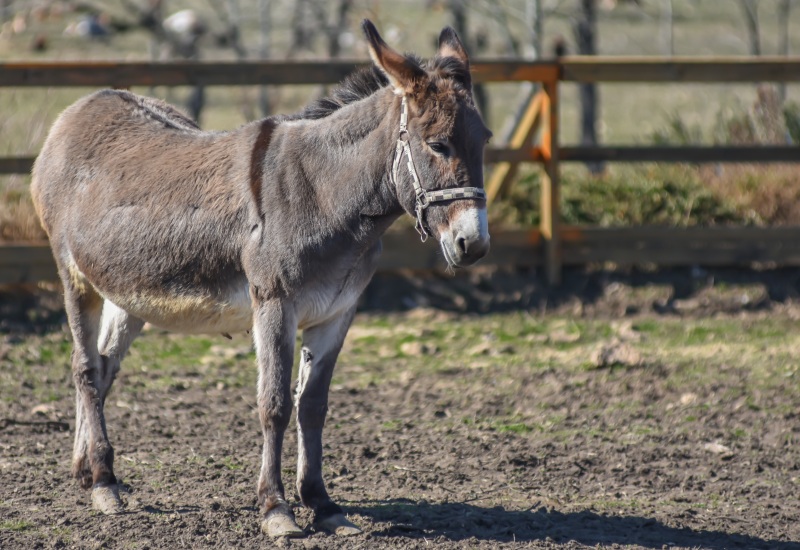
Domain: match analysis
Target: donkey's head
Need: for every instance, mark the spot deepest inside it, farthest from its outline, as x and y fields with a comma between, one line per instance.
x=438, y=161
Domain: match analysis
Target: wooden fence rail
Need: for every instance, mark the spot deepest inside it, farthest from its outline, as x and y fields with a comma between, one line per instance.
x=551, y=245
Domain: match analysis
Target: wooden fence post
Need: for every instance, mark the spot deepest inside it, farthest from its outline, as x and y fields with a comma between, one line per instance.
x=503, y=174
x=550, y=197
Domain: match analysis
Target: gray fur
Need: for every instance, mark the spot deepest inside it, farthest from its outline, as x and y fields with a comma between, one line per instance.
x=274, y=227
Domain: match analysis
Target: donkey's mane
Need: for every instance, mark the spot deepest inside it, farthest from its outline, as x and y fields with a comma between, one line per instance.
x=367, y=80
x=362, y=83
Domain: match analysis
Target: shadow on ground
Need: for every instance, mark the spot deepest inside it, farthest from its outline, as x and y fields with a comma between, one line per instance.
x=487, y=289
x=604, y=291
x=460, y=521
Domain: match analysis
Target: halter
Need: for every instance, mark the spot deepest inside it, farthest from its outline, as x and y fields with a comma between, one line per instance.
x=424, y=198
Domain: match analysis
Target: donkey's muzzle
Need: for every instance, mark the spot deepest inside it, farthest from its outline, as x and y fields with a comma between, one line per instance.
x=467, y=239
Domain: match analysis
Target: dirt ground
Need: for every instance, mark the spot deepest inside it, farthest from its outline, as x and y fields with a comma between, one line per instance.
x=484, y=449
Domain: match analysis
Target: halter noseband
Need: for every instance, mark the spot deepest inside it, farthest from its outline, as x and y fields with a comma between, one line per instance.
x=424, y=198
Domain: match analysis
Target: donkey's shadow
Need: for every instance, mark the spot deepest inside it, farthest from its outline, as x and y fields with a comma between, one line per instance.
x=458, y=521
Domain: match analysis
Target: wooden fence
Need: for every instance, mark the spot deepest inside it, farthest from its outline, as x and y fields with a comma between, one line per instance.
x=552, y=245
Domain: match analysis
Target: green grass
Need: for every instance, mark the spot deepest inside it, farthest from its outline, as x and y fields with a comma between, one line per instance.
x=758, y=353
x=231, y=464
x=718, y=364
x=392, y=425
x=16, y=525
x=517, y=428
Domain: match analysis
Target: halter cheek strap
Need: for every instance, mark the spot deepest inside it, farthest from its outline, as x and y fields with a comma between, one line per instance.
x=424, y=198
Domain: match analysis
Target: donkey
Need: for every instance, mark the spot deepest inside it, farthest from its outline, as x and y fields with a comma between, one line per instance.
x=273, y=227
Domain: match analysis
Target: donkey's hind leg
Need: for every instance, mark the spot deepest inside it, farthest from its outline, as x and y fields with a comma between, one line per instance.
x=118, y=329
x=83, y=306
x=93, y=456
x=321, y=345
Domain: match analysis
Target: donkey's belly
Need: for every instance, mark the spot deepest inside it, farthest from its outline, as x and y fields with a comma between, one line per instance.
x=229, y=313
x=189, y=314
x=210, y=306
x=192, y=314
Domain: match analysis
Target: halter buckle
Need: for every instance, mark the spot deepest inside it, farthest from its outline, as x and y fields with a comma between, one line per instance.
x=423, y=200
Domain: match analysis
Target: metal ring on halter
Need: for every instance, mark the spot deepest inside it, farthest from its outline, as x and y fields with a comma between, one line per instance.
x=424, y=198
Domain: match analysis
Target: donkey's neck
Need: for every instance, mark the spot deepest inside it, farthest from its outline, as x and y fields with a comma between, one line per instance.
x=346, y=162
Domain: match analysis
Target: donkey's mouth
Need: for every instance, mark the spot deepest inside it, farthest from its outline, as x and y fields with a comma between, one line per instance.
x=459, y=252
x=447, y=257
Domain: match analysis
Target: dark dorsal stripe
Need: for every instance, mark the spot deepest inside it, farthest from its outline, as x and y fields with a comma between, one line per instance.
x=257, y=160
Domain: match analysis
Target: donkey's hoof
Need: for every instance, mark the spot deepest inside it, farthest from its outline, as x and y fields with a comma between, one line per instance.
x=105, y=498
x=280, y=524
x=338, y=525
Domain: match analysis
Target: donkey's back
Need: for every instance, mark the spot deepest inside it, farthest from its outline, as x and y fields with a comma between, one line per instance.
x=120, y=180
x=92, y=137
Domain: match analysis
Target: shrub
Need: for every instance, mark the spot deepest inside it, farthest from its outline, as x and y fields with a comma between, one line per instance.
x=767, y=121
x=639, y=195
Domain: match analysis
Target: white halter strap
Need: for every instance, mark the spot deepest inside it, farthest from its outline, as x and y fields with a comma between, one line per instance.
x=424, y=198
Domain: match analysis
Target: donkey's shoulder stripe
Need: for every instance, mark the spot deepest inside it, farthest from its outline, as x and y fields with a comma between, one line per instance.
x=260, y=146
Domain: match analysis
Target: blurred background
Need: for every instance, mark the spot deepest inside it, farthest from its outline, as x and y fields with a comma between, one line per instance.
x=626, y=194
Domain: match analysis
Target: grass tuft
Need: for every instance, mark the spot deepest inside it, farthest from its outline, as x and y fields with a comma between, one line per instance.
x=16, y=525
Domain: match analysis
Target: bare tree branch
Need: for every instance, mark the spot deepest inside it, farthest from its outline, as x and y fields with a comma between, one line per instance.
x=265, y=28
x=667, y=27
x=332, y=30
x=534, y=18
x=458, y=11
x=784, y=10
x=750, y=12
x=585, y=29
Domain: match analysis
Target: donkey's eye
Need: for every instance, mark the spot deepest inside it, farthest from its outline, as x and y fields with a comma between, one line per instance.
x=439, y=147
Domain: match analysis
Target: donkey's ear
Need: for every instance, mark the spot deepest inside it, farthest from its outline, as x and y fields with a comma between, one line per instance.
x=450, y=46
x=401, y=71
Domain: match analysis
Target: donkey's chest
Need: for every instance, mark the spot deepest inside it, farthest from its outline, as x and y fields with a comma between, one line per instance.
x=321, y=303
x=338, y=290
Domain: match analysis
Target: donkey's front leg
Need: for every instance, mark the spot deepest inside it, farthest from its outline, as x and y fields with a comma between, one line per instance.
x=321, y=345
x=274, y=330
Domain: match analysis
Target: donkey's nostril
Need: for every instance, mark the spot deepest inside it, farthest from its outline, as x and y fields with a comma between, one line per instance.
x=462, y=244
